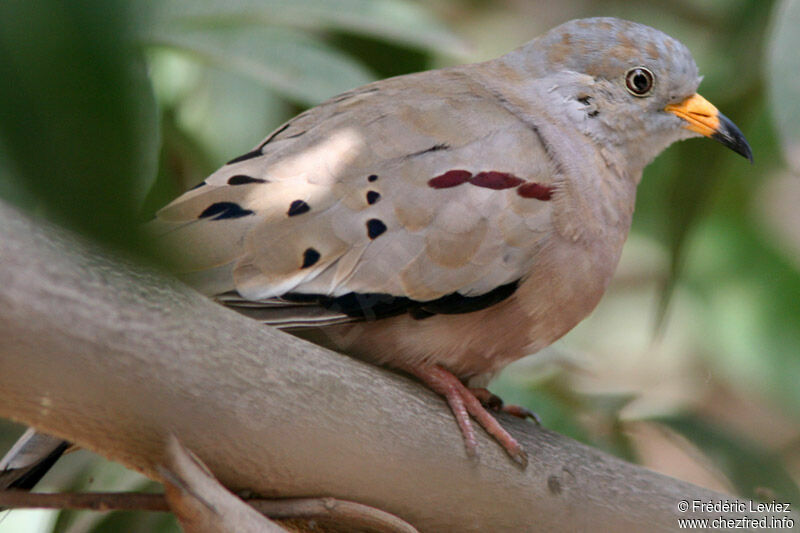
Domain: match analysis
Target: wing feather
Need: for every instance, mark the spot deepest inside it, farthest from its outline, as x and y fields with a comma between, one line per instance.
x=338, y=201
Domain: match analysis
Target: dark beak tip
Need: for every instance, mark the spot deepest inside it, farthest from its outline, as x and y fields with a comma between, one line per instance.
x=744, y=150
x=749, y=154
x=732, y=137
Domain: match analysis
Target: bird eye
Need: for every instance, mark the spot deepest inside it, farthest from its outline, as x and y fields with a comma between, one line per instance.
x=639, y=81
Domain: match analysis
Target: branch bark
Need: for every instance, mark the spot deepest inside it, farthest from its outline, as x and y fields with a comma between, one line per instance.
x=116, y=357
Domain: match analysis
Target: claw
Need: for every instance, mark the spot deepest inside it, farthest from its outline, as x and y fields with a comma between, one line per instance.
x=495, y=403
x=522, y=412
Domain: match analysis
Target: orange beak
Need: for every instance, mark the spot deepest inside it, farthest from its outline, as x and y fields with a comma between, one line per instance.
x=702, y=117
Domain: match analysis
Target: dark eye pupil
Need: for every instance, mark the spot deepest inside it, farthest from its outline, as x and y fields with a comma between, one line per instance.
x=639, y=81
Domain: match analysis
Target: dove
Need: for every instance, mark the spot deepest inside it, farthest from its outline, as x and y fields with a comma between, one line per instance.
x=448, y=222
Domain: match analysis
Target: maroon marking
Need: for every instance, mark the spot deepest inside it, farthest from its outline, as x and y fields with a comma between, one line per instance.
x=451, y=178
x=535, y=190
x=495, y=180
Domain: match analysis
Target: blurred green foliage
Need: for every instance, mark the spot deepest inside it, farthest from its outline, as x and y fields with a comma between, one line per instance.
x=109, y=109
x=78, y=120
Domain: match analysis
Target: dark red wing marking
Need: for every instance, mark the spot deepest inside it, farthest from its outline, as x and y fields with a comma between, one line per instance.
x=494, y=180
x=535, y=190
x=451, y=178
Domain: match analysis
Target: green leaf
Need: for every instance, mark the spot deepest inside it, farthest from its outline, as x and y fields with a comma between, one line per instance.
x=394, y=20
x=783, y=76
x=227, y=113
x=298, y=66
x=78, y=121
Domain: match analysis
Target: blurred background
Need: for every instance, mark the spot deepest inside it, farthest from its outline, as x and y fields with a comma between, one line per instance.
x=691, y=363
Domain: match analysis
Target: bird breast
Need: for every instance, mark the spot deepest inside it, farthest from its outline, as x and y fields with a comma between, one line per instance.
x=561, y=290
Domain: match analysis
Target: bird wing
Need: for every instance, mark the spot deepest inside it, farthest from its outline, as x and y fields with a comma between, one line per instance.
x=422, y=188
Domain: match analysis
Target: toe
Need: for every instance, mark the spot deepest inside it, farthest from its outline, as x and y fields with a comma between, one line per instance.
x=522, y=412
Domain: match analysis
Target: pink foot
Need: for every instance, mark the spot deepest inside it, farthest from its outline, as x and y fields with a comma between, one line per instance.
x=464, y=404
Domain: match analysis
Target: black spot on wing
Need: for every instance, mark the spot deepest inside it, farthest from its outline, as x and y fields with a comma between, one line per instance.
x=298, y=207
x=276, y=133
x=245, y=157
x=350, y=94
x=342, y=97
x=241, y=179
x=310, y=257
x=434, y=148
x=372, y=177
x=373, y=306
x=223, y=210
x=373, y=196
x=375, y=228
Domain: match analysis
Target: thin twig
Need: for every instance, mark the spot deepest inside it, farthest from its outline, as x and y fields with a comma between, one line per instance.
x=340, y=511
x=89, y=501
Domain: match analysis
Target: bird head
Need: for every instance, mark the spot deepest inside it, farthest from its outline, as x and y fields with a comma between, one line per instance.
x=628, y=85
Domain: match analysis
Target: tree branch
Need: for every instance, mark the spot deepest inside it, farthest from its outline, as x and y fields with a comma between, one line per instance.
x=115, y=357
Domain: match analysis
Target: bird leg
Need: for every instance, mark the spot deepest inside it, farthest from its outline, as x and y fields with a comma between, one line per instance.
x=446, y=384
x=495, y=403
x=464, y=404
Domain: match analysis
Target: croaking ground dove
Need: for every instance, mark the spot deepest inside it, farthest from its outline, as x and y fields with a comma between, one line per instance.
x=449, y=222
